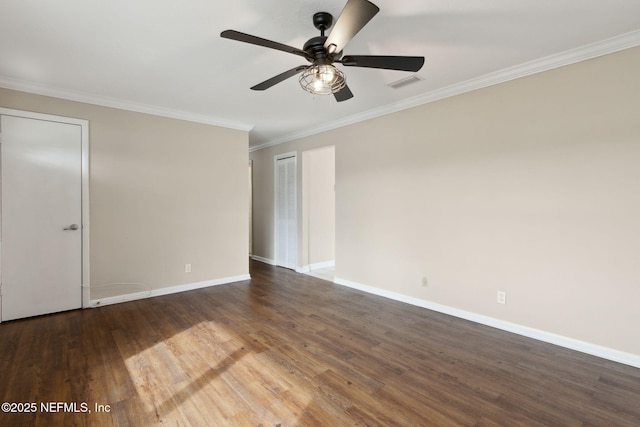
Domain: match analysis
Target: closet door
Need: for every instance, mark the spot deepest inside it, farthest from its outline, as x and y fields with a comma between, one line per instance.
x=41, y=216
x=285, y=211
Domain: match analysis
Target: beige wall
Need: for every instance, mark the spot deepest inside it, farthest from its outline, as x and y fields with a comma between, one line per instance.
x=163, y=193
x=531, y=187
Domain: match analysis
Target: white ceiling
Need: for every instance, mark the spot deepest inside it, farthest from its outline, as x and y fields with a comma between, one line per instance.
x=166, y=56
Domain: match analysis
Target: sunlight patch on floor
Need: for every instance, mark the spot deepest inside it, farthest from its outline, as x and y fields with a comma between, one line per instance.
x=191, y=376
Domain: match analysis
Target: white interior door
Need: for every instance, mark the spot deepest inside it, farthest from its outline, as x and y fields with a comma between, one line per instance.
x=41, y=264
x=286, y=220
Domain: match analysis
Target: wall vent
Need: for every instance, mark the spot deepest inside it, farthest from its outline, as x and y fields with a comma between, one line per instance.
x=414, y=78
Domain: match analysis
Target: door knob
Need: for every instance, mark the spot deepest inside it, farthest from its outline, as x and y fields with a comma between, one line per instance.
x=71, y=227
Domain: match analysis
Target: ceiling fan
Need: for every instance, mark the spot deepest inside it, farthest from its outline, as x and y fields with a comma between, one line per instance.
x=322, y=77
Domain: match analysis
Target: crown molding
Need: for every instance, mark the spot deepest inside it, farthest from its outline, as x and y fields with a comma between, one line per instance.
x=594, y=50
x=23, y=86
x=583, y=53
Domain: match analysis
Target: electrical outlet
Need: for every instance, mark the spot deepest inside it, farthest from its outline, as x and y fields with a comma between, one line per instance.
x=502, y=297
x=424, y=281
x=187, y=268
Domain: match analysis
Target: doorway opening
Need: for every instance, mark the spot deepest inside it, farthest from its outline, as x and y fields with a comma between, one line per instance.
x=318, y=207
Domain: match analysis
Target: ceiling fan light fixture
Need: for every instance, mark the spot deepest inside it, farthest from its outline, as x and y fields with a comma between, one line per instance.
x=322, y=79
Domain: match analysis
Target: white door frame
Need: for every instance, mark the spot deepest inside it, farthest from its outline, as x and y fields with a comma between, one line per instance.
x=84, y=126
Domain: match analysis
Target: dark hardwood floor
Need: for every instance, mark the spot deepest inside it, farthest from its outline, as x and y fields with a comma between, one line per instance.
x=286, y=349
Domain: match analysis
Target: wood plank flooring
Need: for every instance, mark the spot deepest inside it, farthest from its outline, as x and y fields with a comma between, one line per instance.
x=286, y=349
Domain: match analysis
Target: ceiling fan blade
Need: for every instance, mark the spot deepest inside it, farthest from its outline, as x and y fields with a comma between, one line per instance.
x=355, y=15
x=403, y=63
x=343, y=94
x=247, y=38
x=279, y=78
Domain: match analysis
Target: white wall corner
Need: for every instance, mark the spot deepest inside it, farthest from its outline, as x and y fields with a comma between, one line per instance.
x=566, y=342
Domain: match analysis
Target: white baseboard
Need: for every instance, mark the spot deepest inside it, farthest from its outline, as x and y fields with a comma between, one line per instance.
x=303, y=269
x=265, y=260
x=166, y=291
x=570, y=343
x=273, y=262
x=325, y=264
x=317, y=266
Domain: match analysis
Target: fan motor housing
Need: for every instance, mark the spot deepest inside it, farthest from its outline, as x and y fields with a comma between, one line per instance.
x=315, y=48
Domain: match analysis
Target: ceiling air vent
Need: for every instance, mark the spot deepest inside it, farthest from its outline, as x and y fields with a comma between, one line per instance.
x=405, y=81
